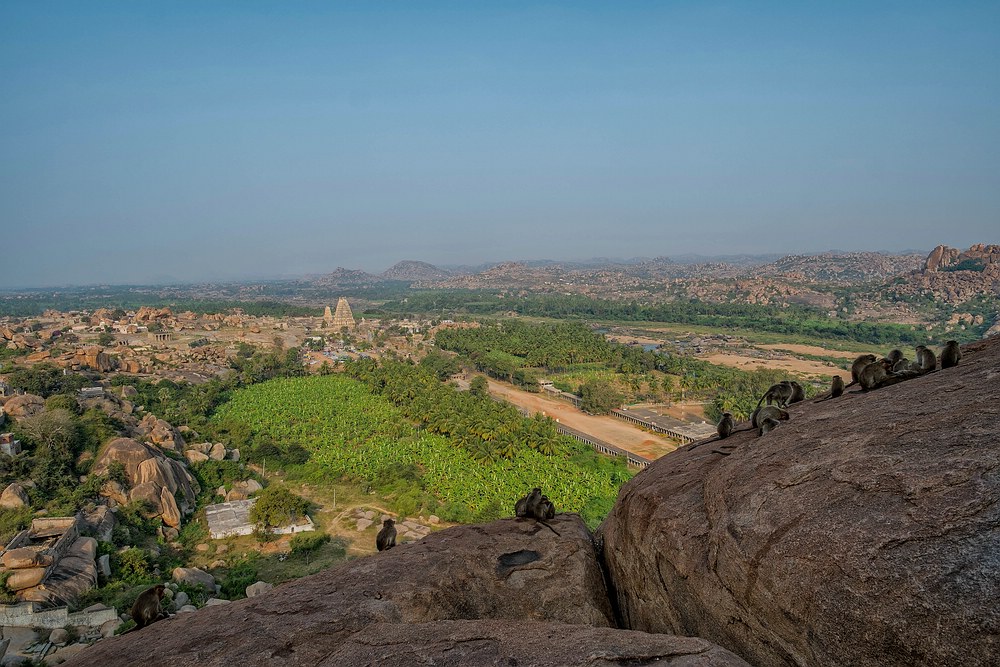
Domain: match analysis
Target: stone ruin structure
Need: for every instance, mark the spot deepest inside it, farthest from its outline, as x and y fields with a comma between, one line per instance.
x=49, y=563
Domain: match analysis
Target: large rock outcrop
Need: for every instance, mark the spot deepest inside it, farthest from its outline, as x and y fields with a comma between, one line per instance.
x=864, y=531
x=161, y=433
x=73, y=575
x=163, y=483
x=25, y=405
x=508, y=592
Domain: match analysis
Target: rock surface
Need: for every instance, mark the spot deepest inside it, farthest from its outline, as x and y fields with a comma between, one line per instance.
x=866, y=530
x=511, y=570
x=25, y=405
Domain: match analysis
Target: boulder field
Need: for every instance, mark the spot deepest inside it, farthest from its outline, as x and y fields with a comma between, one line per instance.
x=863, y=531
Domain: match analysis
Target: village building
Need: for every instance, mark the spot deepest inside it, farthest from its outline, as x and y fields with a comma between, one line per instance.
x=8, y=445
x=233, y=518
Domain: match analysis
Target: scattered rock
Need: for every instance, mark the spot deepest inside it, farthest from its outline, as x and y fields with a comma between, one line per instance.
x=194, y=456
x=253, y=590
x=181, y=599
x=363, y=524
x=104, y=566
x=214, y=602
x=25, y=557
x=59, y=637
x=192, y=576
x=186, y=609
x=14, y=496
x=108, y=627
x=26, y=578
x=99, y=521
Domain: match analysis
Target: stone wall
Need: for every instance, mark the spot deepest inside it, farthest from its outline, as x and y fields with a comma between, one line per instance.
x=25, y=615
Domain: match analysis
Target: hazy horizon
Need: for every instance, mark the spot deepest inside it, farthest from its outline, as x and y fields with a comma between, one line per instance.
x=167, y=281
x=193, y=142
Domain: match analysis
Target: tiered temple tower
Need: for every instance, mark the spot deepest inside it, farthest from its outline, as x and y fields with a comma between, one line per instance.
x=343, y=317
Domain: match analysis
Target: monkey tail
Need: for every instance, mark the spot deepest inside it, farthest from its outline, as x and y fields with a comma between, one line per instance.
x=546, y=524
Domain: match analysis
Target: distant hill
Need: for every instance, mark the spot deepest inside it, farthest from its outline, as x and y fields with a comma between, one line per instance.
x=954, y=276
x=340, y=277
x=848, y=268
x=415, y=271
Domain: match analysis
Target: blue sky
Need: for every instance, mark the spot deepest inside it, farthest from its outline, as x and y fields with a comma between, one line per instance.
x=223, y=140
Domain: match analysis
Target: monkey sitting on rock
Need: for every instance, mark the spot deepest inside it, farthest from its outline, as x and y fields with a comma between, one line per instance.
x=386, y=538
x=836, y=389
x=780, y=393
x=950, y=354
x=146, y=608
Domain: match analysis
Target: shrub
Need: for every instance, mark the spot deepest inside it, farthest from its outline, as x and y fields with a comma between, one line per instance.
x=276, y=506
x=306, y=544
x=240, y=574
x=132, y=565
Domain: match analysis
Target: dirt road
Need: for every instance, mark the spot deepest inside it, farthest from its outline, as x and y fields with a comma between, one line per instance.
x=609, y=429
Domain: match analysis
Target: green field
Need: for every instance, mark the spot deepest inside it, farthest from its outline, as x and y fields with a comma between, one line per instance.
x=352, y=433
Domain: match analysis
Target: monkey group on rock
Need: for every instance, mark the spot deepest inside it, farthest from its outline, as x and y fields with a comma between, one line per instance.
x=873, y=373
x=536, y=506
x=867, y=370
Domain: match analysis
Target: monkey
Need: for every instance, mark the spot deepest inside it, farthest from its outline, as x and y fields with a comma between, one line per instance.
x=872, y=375
x=798, y=393
x=725, y=428
x=894, y=356
x=836, y=386
x=903, y=364
x=386, y=538
x=726, y=425
x=926, y=361
x=528, y=505
x=836, y=389
x=767, y=425
x=879, y=374
x=950, y=355
x=767, y=412
x=858, y=366
x=547, y=510
x=146, y=608
x=780, y=393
